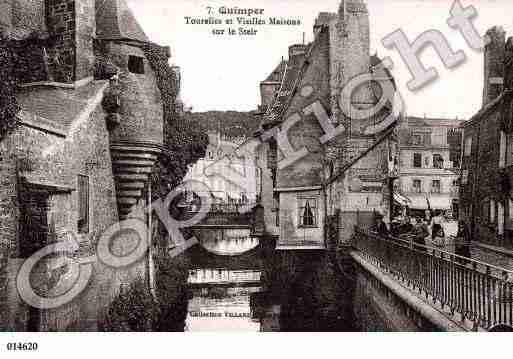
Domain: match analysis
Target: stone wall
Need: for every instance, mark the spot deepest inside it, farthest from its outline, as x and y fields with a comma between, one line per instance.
x=50, y=159
x=62, y=23
x=5, y=16
x=27, y=16
x=376, y=309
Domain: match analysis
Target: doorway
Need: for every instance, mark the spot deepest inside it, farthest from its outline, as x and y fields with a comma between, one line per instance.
x=34, y=230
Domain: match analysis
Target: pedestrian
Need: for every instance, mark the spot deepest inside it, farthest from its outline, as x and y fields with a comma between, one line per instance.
x=438, y=236
x=438, y=218
x=428, y=217
x=394, y=228
x=463, y=242
x=380, y=226
x=406, y=227
x=420, y=233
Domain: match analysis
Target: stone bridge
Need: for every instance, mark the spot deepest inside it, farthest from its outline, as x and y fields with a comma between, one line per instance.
x=227, y=229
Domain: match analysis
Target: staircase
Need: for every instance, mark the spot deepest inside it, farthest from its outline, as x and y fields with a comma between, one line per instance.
x=132, y=166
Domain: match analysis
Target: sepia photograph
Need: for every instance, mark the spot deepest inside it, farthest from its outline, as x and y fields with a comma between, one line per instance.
x=197, y=166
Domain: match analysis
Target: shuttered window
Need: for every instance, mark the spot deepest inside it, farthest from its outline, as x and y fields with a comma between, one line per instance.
x=83, y=204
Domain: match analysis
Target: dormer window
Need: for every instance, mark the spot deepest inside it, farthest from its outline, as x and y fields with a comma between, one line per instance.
x=136, y=64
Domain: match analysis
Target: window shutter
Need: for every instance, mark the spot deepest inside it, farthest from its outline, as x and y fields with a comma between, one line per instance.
x=83, y=204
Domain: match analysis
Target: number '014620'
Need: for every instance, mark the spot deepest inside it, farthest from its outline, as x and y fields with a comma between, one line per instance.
x=22, y=346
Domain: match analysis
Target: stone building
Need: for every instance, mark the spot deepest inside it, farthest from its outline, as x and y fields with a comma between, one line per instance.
x=430, y=162
x=214, y=172
x=488, y=149
x=310, y=178
x=90, y=130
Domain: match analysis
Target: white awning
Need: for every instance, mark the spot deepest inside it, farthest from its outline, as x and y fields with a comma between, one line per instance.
x=440, y=202
x=418, y=203
x=401, y=199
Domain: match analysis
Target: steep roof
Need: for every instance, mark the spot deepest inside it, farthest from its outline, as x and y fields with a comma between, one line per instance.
x=291, y=78
x=277, y=74
x=115, y=20
x=57, y=107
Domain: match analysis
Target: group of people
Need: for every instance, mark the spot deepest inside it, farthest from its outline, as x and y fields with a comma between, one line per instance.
x=424, y=229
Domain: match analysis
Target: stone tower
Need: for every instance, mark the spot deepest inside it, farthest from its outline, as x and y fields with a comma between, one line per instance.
x=494, y=57
x=349, y=57
x=137, y=140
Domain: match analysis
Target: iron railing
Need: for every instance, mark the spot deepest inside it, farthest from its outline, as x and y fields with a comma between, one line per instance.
x=479, y=292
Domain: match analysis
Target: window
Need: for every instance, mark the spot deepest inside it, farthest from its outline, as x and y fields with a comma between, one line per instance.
x=307, y=212
x=136, y=64
x=438, y=161
x=492, y=211
x=436, y=186
x=417, y=160
x=502, y=150
x=509, y=150
x=416, y=139
x=417, y=186
x=464, y=176
x=468, y=146
x=83, y=204
x=500, y=218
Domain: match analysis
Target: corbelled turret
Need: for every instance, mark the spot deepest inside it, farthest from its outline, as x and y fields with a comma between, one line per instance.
x=137, y=140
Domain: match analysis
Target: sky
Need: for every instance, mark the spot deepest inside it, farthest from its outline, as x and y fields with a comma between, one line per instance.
x=223, y=72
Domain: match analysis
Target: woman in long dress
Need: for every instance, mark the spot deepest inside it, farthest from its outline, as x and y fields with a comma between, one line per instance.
x=463, y=242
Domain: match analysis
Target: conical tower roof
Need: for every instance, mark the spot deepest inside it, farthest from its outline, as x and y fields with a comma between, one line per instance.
x=115, y=20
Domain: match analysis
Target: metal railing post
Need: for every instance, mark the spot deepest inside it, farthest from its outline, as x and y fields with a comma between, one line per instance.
x=473, y=291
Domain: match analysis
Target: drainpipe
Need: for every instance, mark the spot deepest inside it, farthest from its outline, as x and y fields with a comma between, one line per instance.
x=474, y=185
x=151, y=268
x=325, y=197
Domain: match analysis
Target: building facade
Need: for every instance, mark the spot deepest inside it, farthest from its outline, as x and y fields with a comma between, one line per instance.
x=230, y=178
x=429, y=163
x=487, y=149
x=316, y=179
x=89, y=132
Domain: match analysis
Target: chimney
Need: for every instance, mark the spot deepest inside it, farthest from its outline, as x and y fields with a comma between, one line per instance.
x=72, y=24
x=297, y=54
x=323, y=19
x=494, y=57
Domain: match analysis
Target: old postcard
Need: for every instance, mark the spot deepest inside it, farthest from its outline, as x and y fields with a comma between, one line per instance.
x=255, y=166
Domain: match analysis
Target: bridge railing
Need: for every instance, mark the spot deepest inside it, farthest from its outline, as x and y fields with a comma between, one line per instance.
x=478, y=291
